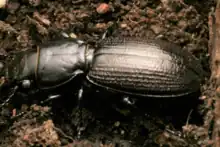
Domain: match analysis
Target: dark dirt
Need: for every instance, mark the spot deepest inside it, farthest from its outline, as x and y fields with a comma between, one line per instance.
x=106, y=122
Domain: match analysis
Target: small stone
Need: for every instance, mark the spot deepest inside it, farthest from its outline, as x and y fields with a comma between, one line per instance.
x=41, y=19
x=34, y=2
x=117, y=124
x=100, y=25
x=103, y=8
x=3, y=3
x=143, y=4
x=150, y=13
x=123, y=25
x=156, y=29
x=13, y=6
x=203, y=97
x=182, y=24
x=122, y=132
x=73, y=35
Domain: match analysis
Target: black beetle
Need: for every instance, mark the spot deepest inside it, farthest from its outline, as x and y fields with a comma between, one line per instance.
x=132, y=66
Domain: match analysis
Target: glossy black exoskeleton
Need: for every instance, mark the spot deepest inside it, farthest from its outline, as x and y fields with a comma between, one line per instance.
x=131, y=66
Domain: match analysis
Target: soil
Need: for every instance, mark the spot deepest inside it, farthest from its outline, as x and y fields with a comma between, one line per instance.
x=103, y=120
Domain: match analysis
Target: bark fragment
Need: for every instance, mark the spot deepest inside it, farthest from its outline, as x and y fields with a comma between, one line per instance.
x=214, y=50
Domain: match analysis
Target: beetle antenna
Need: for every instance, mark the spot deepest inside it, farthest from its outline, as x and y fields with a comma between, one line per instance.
x=9, y=97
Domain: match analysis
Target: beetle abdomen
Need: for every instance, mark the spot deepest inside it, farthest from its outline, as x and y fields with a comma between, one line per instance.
x=151, y=68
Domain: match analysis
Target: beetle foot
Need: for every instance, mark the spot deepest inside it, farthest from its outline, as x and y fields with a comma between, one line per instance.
x=79, y=131
x=128, y=101
x=129, y=106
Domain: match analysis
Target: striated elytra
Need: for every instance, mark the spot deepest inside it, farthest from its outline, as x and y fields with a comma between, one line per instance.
x=148, y=68
x=153, y=68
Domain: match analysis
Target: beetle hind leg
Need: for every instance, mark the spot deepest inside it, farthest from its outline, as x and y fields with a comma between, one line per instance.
x=80, y=127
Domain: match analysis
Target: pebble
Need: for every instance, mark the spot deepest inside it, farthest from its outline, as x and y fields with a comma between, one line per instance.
x=3, y=3
x=103, y=8
x=34, y=2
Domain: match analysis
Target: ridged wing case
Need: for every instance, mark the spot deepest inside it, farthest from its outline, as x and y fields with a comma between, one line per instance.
x=152, y=68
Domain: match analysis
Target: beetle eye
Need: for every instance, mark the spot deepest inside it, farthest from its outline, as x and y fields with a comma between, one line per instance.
x=26, y=83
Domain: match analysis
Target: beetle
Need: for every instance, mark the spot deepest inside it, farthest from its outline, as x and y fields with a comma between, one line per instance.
x=131, y=66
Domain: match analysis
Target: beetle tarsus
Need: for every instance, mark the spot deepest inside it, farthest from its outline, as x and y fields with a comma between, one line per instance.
x=128, y=101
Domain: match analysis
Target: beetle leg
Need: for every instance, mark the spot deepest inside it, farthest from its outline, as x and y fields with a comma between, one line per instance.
x=109, y=31
x=9, y=97
x=104, y=35
x=51, y=97
x=80, y=127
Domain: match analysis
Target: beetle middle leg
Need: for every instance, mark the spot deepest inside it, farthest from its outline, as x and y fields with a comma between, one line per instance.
x=80, y=127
